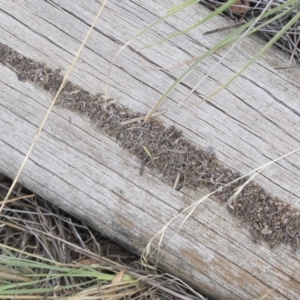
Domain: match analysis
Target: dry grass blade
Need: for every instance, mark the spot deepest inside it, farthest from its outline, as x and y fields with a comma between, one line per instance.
x=288, y=42
x=224, y=56
x=18, y=198
x=46, y=247
x=114, y=287
x=36, y=136
x=265, y=15
x=149, y=253
x=140, y=119
x=170, y=13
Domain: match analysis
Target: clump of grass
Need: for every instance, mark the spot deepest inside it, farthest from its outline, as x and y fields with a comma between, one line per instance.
x=46, y=253
x=276, y=20
x=26, y=274
x=246, y=10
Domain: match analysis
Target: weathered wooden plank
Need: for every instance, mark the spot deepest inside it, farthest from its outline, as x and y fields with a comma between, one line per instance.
x=101, y=184
x=88, y=174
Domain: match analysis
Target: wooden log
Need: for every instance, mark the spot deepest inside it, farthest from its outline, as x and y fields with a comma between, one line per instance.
x=87, y=173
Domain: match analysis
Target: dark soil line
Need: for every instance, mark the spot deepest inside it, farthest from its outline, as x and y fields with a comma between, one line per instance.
x=167, y=152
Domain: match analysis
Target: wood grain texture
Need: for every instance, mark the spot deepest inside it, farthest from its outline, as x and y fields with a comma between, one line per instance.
x=85, y=172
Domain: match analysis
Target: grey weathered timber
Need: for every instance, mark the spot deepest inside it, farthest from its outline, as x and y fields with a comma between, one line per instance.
x=256, y=119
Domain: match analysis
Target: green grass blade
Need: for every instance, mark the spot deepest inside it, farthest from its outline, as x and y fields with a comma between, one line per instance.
x=182, y=6
x=196, y=25
x=258, y=54
x=22, y=289
x=229, y=39
x=236, y=40
x=170, y=13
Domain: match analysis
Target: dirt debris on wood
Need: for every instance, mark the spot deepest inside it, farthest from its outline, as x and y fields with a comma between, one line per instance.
x=178, y=161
